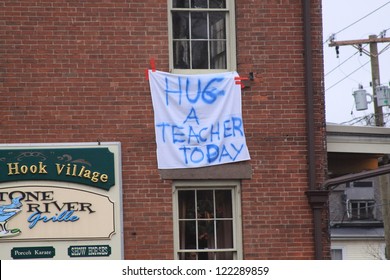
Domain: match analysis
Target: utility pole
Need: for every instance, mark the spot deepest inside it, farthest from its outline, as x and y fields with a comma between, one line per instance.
x=373, y=41
x=384, y=184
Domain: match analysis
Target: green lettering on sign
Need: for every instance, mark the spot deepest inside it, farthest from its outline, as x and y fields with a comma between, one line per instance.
x=88, y=166
x=32, y=252
x=89, y=251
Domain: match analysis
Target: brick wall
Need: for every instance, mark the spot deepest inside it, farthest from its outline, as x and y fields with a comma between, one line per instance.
x=73, y=71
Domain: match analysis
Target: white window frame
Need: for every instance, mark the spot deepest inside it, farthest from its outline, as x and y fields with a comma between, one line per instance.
x=361, y=208
x=235, y=186
x=231, y=58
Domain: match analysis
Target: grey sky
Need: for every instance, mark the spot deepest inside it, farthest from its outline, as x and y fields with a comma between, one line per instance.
x=350, y=20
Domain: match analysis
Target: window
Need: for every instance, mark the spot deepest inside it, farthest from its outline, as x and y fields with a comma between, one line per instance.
x=207, y=221
x=363, y=184
x=202, y=35
x=336, y=254
x=361, y=209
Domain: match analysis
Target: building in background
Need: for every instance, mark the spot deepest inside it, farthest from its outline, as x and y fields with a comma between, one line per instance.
x=357, y=222
x=73, y=72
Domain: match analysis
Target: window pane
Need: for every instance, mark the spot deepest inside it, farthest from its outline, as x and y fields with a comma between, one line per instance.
x=200, y=55
x=355, y=209
x=181, y=54
x=218, y=55
x=206, y=256
x=336, y=254
x=187, y=232
x=223, y=203
x=180, y=24
x=205, y=204
x=224, y=234
x=188, y=256
x=198, y=25
x=180, y=3
x=186, y=204
x=217, y=26
x=198, y=3
x=217, y=4
x=224, y=256
x=206, y=239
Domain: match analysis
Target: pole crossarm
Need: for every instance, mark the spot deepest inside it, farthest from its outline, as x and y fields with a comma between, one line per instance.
x=359, y=42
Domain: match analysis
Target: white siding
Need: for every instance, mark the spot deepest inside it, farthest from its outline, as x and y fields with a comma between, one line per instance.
x=361, y=249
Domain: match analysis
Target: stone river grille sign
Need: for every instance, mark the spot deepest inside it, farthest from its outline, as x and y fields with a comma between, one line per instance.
x=65, y=196
x=41, y=212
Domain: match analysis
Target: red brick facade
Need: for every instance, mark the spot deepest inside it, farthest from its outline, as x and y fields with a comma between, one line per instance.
x=74, y=71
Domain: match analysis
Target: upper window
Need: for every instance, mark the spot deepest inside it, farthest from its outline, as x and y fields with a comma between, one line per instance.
x=361, y=209
x=202, y=37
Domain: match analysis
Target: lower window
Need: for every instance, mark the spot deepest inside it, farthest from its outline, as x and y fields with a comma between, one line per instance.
x=207, y=224
x=336, y=254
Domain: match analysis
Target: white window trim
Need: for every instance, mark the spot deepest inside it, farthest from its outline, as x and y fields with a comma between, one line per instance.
x=349, y=207
x=235, y=185
x=230, y=43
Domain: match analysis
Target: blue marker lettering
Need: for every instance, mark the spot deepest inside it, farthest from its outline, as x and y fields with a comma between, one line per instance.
x=200, y=155
x=212, y=132
x=194, y=100
x=177, y=135
x=237, y=126
x=238, y=151
x=185, y=149
x=226, y=129
x=210, y=95
x=200, y=134
x=192, y=115
x=163, y=125
x=224, y=153
x=192, y=134
x=212, y=152
x=167, y=90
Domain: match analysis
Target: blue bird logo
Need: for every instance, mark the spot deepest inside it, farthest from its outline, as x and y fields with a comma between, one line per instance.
x=6, y=213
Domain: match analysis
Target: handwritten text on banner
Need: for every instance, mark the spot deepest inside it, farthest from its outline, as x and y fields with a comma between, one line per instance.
x=198, y=119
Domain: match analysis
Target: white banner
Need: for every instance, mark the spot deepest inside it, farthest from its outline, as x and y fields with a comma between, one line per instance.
x=198, y=119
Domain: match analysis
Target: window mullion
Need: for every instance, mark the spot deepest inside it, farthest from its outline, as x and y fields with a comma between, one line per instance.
x=208, y=42
x=190, y=36
x=196, y=220
x=215, y=221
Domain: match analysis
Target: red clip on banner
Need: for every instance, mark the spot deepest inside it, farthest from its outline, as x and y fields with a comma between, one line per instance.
x=238, y=81
x=152, y=63
x=147, y=74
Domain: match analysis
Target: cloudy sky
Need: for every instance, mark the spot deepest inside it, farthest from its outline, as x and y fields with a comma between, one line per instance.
x=353, y=20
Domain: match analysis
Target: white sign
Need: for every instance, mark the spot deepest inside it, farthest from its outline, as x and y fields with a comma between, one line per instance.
x=198, y=119
x=61, y=201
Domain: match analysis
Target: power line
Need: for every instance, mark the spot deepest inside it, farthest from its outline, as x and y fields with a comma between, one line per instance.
x=347, y=76
x=341, y=63
x=353, y=23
